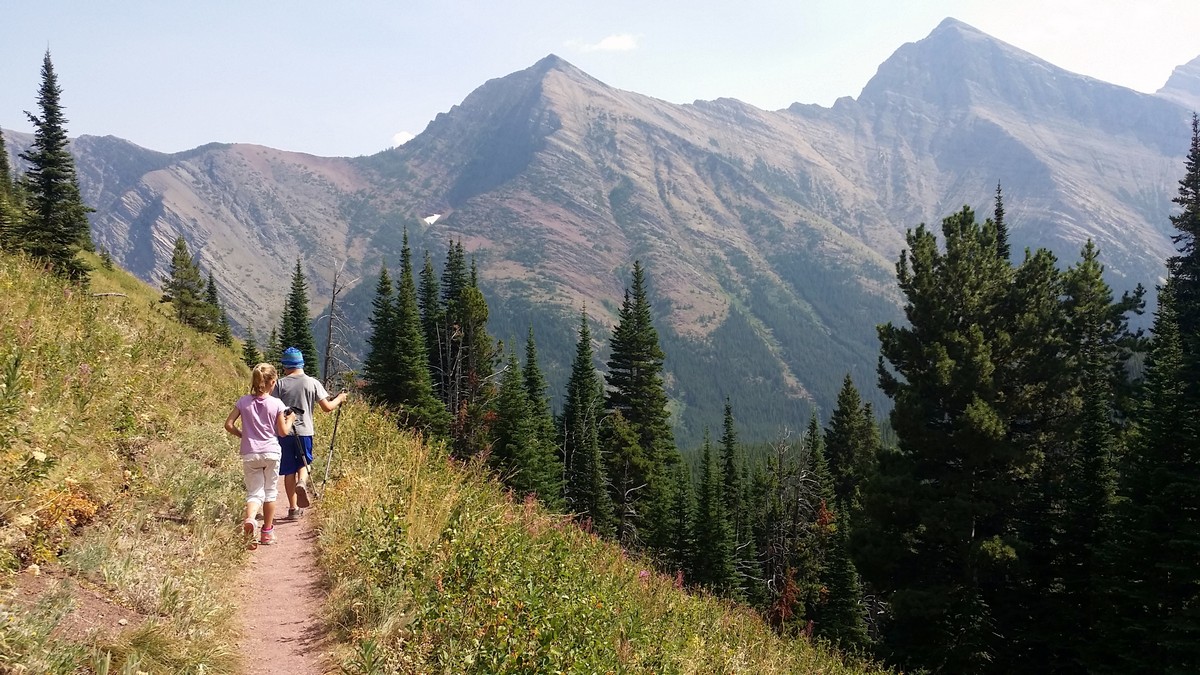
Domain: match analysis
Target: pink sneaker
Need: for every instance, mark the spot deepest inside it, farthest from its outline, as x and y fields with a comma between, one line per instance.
x=267, y=536
x=248, y=535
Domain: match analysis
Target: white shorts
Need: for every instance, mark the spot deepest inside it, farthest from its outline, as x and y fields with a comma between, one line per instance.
x=262, y=477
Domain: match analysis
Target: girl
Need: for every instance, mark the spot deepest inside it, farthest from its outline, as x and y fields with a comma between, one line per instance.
x=263, y=417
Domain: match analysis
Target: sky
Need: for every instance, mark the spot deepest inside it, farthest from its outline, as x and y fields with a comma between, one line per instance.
x=315, y=77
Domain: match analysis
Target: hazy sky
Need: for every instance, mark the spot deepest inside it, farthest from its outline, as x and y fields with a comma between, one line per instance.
x=330, y=80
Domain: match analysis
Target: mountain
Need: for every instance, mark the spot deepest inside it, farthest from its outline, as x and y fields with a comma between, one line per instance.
x=1183, y=86
x=769, y=236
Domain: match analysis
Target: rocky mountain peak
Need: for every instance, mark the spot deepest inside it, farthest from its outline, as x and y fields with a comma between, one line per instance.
x=1183, y=86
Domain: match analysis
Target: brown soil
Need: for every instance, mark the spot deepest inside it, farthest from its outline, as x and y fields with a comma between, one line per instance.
x=281, y=608
x=93, y=614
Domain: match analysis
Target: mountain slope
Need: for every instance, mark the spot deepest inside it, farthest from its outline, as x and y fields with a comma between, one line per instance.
x=769, y=237
x=1183, y=87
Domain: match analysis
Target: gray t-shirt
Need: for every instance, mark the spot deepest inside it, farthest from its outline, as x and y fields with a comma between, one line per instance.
x=300, y=391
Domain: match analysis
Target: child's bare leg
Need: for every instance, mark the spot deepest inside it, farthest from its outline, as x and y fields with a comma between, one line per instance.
x=268, y=515
x=251, y=510
x=289, y=486
x=303, y=475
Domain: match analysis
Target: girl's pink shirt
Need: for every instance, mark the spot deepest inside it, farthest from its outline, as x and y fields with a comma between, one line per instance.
x=258, y=423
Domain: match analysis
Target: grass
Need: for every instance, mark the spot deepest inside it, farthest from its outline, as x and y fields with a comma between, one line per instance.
x=435, y=569
x=114, y=471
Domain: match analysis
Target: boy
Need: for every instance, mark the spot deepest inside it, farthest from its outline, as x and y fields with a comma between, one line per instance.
x=298, y=390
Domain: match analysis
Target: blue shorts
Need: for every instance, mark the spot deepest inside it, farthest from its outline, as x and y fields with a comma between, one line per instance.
x=289, y=459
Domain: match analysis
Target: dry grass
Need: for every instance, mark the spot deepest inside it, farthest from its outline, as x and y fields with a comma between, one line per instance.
x=114, y=470
x=435, y=569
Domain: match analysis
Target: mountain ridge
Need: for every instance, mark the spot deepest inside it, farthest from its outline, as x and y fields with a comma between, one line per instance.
x=770, y=236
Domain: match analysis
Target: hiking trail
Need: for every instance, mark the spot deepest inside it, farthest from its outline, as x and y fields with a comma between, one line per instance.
x=280, y=607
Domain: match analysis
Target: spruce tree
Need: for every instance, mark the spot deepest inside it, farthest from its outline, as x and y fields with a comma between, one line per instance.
x=250, y=354
x=714, y=566
x=296, y=328
x=413, y=384
x=55, y=227
x=841, y=618
x=627, y=467
x=682, y=551
x=1002, y=246
x=274, y=352
x=184, y=288
x=379, y=366
x=9, y=211
x=585, y=486
x=6, y=172
x=851, y=442
x=539, y=401
x=518, y=453
x=224, y=334
x=433, y=324
x=636, y=390
x=212, y=306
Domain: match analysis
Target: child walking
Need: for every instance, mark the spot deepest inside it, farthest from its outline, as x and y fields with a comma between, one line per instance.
x=303, y=393
x=263, y=417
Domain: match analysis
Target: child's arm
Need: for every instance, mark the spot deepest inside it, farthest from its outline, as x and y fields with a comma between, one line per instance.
x=283, y=422
x=330, y=405
x=229, y=422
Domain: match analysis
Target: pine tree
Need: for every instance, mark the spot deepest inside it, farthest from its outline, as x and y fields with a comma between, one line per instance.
x=1002, y=247
x=224, y=334
x=413, y=384
x=250, y=354
x=432, y=323
x=184, y=288
x=852, y=444
x=714, y=566
x=296, y=328
x=379, y=366
x=682, y=550
x=585, y=484
x=56, y=225
x=627, y=468
x=841, y=617
x=518, y=452
x=1153, y=578
x=636, y=390
x=212, y=306
x=539, y=401
x=274, y=353
x=9, y=209
x=957, y=375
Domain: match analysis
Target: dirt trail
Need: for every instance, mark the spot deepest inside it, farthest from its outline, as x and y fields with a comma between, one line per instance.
x=281, y=608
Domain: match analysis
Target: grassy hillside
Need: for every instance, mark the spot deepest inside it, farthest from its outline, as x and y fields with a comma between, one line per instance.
x=434, y=569
x=120, y=489
x=117, y=487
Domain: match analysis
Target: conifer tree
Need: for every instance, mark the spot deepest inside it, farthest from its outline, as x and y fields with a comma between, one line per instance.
x=432, y=323
x=636, y=390
x=9, y=211
x=184, y=288
x=627, y=469
x=585, y=485
x=714, y=567
x=414, y=386
x=1002, y=246
x=274, y=352
x=682, y=550
x=841, y=617
x=851, y=443
x=518, y=452
x=539, y=401
x=379, y=366
x=731, y=472
x=296, y=328
x=55, y=227
x=212, y=306
x=250, y=354
x=1153, y=578
x=954, y=497
x=224, y=331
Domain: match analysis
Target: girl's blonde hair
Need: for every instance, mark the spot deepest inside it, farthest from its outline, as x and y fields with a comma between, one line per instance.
x=262, y=378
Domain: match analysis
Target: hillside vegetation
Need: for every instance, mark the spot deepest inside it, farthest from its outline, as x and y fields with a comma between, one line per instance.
x=120, y=496
x=118, y=489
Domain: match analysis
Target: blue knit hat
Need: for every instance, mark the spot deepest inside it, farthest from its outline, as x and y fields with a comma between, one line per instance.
x=292, y=358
